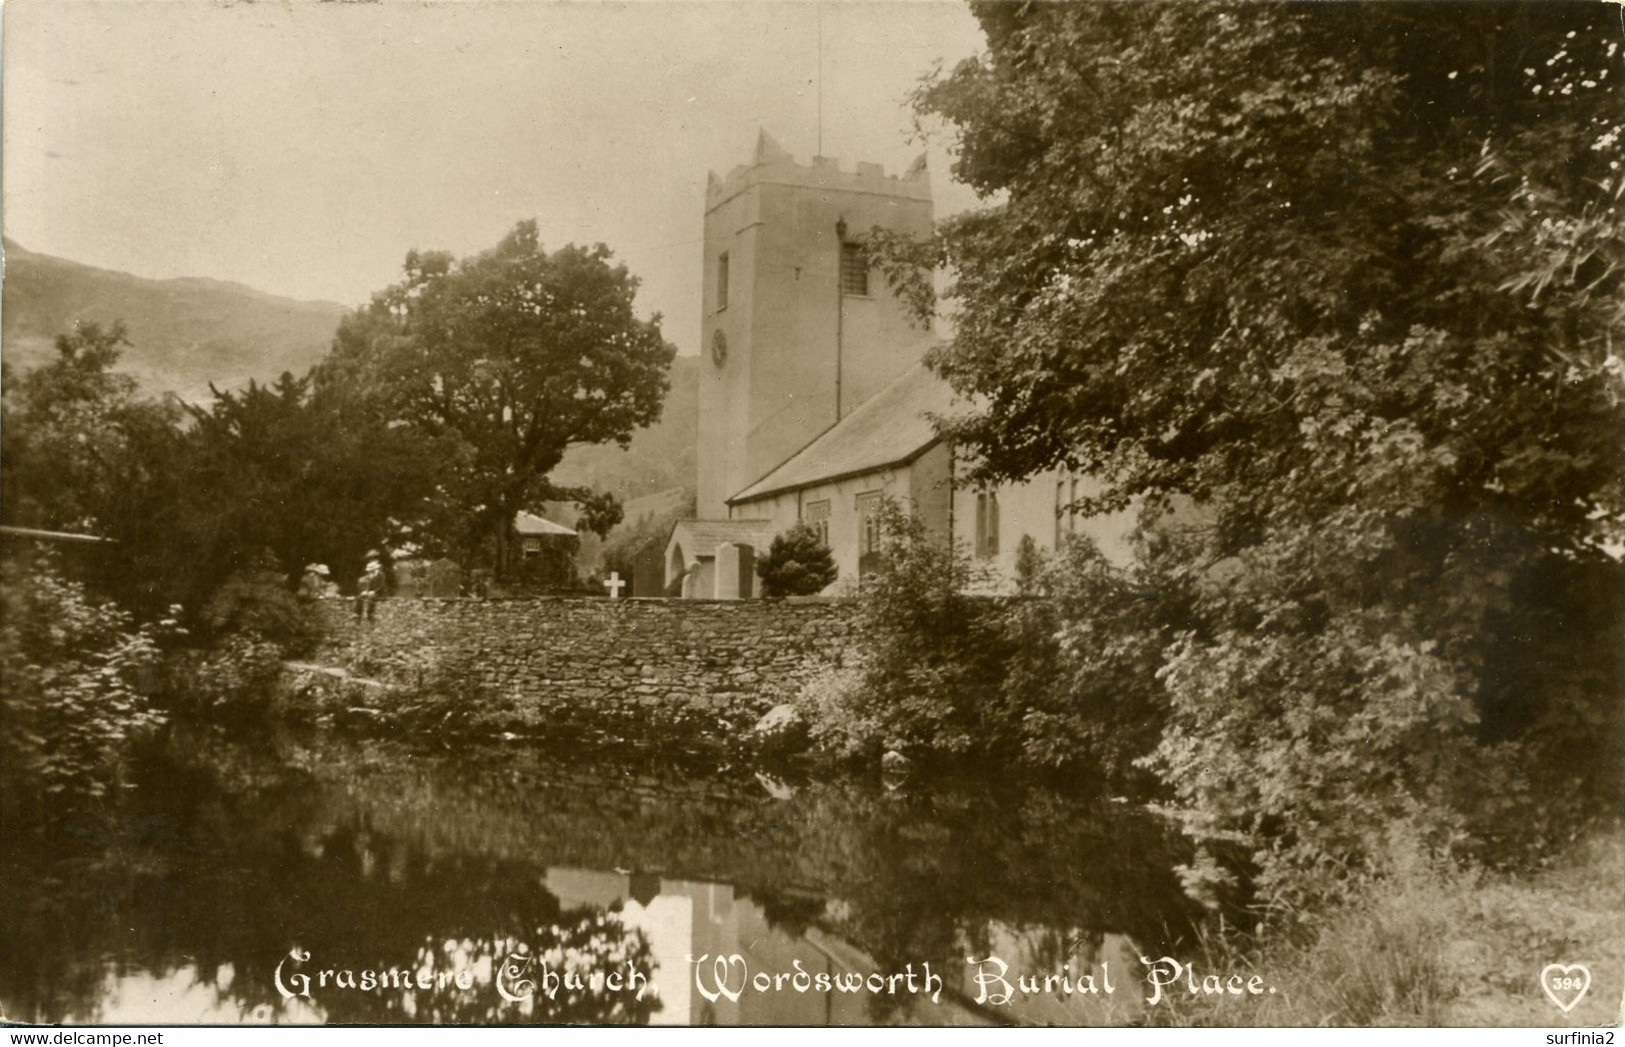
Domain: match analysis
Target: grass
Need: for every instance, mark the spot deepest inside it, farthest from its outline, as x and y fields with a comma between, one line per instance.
x=1435, y=946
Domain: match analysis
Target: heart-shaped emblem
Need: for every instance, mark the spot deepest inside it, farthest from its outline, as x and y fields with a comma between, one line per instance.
x=1565, y=984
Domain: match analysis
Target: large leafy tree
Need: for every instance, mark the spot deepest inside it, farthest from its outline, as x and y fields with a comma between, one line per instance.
x=515, y=354
x=310, y=475
x=1349, y=276
x=76, y=436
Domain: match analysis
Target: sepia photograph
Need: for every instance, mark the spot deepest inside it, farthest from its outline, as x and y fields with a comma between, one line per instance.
x=808, y=513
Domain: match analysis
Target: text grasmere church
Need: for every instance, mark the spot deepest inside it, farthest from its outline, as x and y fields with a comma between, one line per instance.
x=814, y=402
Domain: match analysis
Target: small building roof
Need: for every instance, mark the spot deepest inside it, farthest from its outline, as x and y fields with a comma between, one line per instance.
x=53, y=536
x=700, y=538
x=890, y=428
x=529, y=523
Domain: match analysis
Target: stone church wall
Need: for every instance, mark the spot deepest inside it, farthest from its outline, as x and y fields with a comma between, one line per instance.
x=599, y=663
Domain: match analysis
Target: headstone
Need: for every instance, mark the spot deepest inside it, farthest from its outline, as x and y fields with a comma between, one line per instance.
x=735, y=571
x=649, y=571
x=442, y=578
x=727, y=572
x=614, y=584
x=747, y=572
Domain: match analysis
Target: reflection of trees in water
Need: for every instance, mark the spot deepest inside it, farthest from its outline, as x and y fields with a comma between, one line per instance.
x=366, y=854
x=583, y=944
x=929, y=876
x=923, y=877
x=205, y=878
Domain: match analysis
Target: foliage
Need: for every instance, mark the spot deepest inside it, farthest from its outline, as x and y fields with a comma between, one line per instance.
x=257, y=602
x=1350, y=276
x=513, y=355
x=237, y=675
x=76, y=677
x=449, y=697
x=1062, y=677
x=1086, y=648
x=309, y=476
x=840, y=723
x=312, y=473
x=930, y=656
x=1429, y=943
x=798, y=563
x=76, y=435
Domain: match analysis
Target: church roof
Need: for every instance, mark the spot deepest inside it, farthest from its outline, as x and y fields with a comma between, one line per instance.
x=890, y=428
x=701, y=537
x=529, y=523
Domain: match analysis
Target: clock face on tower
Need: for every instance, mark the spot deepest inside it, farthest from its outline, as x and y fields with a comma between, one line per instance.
x=719, y=347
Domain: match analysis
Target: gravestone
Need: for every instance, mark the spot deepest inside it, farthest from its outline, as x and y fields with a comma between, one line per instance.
x=735, y=571
x=649, y=570
x=419, y=578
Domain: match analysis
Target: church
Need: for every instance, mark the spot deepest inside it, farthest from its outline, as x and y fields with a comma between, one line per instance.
x=815, y=404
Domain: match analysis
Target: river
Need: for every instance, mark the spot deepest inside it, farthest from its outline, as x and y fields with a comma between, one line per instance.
x=307, y=879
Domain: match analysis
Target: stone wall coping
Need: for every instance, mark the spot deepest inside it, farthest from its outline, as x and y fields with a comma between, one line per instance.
x=587, y=598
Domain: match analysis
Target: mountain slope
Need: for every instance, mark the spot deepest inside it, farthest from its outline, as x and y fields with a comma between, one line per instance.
x=188, y=333
x=184, y=333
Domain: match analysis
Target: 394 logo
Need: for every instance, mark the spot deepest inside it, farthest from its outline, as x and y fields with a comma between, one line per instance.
x=1565, y=984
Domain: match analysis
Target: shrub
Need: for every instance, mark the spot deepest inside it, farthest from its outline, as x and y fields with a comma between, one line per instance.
x=257, y=602
x=1063, y=677
x=1313, y=734
x=797, y=564
x=837, y=722
x=931, y=656
x=76, y=674
x=238, y=675
x=1086, y=647
x=1379, y=958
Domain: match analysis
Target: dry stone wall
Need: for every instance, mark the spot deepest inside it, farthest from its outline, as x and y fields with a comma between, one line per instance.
x=584, y=660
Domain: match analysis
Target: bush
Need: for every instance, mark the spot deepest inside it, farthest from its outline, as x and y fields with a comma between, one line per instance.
x=1085, y=651
x=237, y=676
x=257, y=602
x=76, y=675
x=1062, y=678
x=836, y=722
x=931, y=656
x=1312, y=728
x=797, y=564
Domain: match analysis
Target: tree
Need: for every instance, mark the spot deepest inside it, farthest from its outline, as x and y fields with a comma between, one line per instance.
x=798, y=563
x=514, y=354
x=1350, y=276
x=310, y=474
x=75, y=432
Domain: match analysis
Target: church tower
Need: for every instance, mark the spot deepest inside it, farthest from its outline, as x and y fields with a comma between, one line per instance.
x=797, y=328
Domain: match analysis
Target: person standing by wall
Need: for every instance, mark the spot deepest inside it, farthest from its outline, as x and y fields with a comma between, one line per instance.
x=369, y=590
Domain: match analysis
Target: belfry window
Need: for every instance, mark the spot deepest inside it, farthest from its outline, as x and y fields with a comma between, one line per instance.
x=722, y=281
x=854, y=270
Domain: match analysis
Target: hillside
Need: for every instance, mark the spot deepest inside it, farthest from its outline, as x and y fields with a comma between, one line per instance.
x=184, y=333
x=187, y=333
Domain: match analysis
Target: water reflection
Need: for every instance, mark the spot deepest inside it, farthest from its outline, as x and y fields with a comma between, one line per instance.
x=403, y=883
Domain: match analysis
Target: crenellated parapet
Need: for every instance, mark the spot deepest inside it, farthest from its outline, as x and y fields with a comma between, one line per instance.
x=772, y=165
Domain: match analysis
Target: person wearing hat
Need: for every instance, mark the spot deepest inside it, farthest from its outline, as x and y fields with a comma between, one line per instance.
x=370, y=589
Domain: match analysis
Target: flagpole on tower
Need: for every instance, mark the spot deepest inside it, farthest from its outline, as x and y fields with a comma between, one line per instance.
x=818, y=6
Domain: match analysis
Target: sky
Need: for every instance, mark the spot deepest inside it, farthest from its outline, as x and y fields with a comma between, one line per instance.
x=303, y=149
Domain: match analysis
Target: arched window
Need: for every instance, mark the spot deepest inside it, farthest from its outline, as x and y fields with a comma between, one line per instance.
x=987, y=524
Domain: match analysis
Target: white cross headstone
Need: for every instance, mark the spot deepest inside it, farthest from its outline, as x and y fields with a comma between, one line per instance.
x=614, y=584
